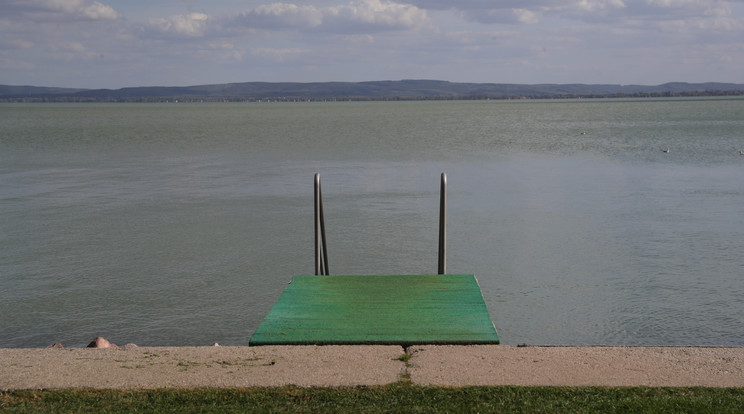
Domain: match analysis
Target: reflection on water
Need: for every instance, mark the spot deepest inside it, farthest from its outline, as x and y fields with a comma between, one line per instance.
x=181, y=225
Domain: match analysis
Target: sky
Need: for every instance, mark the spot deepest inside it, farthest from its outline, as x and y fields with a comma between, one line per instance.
x=125, y=43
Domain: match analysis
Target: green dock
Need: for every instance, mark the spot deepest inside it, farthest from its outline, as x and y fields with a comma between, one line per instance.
x=381, y=310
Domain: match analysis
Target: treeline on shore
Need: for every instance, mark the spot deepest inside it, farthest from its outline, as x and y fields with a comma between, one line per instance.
x=404, y=90
x=193, y=99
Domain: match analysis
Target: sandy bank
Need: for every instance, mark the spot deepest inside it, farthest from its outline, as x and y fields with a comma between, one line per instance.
x=175, y=367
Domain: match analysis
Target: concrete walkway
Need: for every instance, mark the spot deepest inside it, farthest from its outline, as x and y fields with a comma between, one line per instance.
x=177, y=367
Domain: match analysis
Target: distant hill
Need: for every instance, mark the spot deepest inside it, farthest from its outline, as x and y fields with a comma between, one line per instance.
x=7, y=91
x=374, y=90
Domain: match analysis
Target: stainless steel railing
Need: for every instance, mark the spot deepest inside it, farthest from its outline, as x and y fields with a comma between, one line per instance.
x=321, y=246
x=442, y=257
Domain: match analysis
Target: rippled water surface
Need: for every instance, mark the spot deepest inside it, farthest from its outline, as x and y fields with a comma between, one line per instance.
x=180, y=224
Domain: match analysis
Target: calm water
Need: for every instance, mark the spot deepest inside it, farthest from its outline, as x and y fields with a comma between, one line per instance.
x=180, y=224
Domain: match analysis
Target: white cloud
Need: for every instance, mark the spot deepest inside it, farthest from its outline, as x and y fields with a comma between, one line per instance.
x=96, y=11
x=279, y=16
x=597, y=5
x=365, y=15
x=678, y=9
x=222, y=45
x=59, y=10
x=74, y=47
x=499, y=12
x=72, y=51
x=590, y=11
x=19, y=44
x=357, y=39
x=524, y=11
x=465, y=5
x=357, y=17
x=15, y=64
x=183, y=25
x=509, y=16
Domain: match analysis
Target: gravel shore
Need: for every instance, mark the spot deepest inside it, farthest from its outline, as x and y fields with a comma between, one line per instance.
x=332, y=366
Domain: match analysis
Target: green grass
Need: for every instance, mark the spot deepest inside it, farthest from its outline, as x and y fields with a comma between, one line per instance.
x=400, y=397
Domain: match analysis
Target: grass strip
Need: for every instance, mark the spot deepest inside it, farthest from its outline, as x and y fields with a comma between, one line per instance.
x=394, y=398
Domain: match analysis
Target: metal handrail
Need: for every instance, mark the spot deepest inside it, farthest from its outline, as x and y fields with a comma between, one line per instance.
x=442, y=258
x=321, y=246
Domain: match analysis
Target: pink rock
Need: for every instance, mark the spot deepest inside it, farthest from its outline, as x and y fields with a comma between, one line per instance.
x=101, y=342
x=56, y=345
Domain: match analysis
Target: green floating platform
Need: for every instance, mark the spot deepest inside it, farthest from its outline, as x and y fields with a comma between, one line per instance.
x=400, y=310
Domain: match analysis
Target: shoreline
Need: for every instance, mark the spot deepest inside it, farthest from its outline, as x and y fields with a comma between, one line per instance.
x=134, y=367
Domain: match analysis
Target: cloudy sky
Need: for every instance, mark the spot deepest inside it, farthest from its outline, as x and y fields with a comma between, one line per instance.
x=120, y=43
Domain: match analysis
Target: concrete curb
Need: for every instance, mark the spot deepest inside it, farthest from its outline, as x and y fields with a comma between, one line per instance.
x=335, y=366
x=577, y=366
x=186, y=367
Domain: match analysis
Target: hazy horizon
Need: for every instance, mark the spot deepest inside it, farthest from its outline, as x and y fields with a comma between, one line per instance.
x=373, y=81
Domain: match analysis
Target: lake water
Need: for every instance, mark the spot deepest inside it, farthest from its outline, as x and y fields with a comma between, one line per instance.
x=181, y=224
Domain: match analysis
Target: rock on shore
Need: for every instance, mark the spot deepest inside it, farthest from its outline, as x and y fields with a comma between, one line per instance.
x=101, y=342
